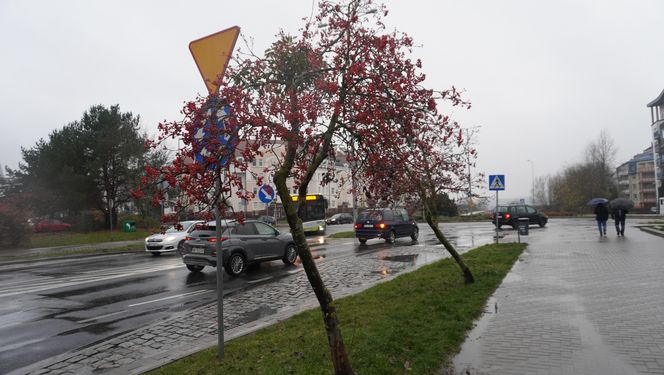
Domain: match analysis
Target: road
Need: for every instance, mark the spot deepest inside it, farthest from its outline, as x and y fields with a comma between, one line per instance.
x=54, y=306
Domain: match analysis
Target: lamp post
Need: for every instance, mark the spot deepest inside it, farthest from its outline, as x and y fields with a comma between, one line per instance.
x=532, y=179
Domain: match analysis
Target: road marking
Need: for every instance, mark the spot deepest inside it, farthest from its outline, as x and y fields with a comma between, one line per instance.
x=171, y=297
x=100, y=317
x=259, y=280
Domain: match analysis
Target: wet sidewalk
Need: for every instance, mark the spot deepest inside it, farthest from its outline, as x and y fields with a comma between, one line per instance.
x=575, y=303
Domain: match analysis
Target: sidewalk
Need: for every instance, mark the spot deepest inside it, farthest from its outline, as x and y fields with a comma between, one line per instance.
x=575, y=303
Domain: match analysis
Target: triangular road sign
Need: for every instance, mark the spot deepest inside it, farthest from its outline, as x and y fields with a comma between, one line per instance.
x=212, y=53
x=497, y=182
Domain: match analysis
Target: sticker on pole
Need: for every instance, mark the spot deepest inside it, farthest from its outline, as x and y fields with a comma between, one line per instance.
x=266, y=194
x=497, y=182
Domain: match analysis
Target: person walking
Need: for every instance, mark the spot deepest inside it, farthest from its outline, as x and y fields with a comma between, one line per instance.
x=619, y=215
x=601, y=215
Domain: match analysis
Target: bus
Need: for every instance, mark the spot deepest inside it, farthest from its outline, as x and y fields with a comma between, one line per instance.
x=313, y=217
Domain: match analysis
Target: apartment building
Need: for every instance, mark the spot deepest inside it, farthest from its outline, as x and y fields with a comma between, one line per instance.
x=657, y=130
x=636, y=180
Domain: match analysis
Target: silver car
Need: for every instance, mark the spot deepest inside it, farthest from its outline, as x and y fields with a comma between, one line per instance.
x=171, y=239
x=242, y=244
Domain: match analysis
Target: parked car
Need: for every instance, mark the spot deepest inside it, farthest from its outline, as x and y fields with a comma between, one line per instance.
x=50, y=226
x=340, y=218
x=171, y=238
x=510, y=214
x=267, y=219
x=386, y=223
x=252, y=242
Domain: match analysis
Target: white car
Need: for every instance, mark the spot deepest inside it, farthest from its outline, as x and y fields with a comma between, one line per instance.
x=170, y=240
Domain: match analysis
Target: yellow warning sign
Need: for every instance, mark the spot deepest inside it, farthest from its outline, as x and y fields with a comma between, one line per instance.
x=212, y=54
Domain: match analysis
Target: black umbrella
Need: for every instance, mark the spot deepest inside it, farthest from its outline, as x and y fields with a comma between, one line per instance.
x=622, y=204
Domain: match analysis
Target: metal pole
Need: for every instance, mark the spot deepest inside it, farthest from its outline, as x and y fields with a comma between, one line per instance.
x=220, y=276
x=497, y=216
x=532, y=181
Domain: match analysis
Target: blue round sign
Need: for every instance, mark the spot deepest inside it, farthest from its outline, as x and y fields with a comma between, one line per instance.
x=266, y=194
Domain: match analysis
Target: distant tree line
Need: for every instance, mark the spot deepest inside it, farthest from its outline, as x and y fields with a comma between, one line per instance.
x=571, y=188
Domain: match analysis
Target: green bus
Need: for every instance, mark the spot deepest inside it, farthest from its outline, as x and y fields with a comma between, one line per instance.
x=313, y=217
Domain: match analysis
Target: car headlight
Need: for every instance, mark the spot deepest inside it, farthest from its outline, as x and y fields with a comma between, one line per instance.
x=170, y=238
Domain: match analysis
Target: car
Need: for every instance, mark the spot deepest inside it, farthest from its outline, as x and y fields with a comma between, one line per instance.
x=171, y=238
x=242, y=244
x=386, y=223
x=340, y=218
x=653, y=210
x=49, y=225
x=511, y=213
x=267, y=219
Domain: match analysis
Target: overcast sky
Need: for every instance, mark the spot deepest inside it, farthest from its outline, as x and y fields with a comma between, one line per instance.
x=544, y=77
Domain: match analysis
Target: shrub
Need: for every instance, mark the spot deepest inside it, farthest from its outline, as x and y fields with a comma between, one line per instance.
x=14, y=229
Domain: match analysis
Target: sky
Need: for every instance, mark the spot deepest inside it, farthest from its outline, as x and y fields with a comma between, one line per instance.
x=544, y=77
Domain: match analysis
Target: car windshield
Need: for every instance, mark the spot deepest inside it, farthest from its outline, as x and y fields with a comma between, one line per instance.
x=370, y=215
x=175, y=228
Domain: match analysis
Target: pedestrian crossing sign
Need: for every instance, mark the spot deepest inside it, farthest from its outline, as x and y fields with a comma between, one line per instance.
x=497, y=182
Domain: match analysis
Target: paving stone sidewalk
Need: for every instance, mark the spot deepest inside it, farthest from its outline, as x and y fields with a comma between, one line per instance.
x=575, y=303
x=192, y=331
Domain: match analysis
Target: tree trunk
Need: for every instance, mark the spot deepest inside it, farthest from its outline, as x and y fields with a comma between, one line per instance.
x=338, y=353
x=433, y=223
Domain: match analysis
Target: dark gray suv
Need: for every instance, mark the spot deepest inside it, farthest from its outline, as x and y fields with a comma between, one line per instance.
x=242, y=244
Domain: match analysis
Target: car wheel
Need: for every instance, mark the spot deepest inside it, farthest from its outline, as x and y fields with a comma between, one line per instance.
x=156, y=253
x=194, y=268
x=362, y=240
x=391, y=237
x=542, y=224
x=181, y=248
x=235, y=264
x=415, y=234
x=290, y=256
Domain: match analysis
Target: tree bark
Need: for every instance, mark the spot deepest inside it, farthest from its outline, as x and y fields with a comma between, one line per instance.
x=433, y=223
x=338, y=353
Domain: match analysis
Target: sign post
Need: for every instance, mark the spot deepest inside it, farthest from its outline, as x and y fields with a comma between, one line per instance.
x=212, y=54
x=497, y=183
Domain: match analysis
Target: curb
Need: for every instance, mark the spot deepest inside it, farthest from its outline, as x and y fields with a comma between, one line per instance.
x=652, y=231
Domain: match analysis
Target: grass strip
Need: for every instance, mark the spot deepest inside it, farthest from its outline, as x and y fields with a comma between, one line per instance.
x=71, y=238
x=67, y=252
x=346, y=234
x=411, y=324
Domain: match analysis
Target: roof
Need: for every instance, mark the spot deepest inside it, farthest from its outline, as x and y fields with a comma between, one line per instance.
x=658, y=101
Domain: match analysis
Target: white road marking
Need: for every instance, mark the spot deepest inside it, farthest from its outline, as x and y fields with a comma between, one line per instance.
x=100, y=317
x=171, y=297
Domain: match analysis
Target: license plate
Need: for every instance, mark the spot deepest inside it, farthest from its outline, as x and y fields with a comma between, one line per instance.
x=198, y=250
x=368, y=225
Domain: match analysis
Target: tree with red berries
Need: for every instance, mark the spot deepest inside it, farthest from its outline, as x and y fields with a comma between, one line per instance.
x=344, y=83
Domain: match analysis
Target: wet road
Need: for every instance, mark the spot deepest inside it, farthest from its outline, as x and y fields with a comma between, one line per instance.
x=50, y=307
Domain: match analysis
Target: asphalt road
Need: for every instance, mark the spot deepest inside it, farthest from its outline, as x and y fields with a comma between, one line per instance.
x=50, y=307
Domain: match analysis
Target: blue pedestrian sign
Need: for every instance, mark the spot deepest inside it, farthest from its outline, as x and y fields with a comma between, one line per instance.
x=497, y=182
x=266, y=194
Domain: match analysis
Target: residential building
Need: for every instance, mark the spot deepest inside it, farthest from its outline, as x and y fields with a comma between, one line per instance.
x=636, y=180
x=657, y=130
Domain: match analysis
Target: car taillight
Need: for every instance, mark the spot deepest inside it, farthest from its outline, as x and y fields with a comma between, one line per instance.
x=188, y=238
x=214, y=239
x=358, y=226
x=507, y=216
x=382, y=226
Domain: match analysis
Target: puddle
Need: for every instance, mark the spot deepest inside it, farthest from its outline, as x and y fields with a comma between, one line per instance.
x=401, y=258
x=260, y=312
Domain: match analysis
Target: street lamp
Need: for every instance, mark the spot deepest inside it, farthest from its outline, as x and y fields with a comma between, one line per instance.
x=532, y=179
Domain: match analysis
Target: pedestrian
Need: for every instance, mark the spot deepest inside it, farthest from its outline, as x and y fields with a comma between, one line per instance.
x=601, y=215
x=619, y=215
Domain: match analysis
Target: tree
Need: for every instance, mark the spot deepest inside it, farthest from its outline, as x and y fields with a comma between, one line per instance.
x=91, y=163
x=339, y=85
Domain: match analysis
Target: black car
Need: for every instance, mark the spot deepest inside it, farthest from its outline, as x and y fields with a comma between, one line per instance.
x=340, y=218
x=385, y=223
x=510, y=215
x=241, y=244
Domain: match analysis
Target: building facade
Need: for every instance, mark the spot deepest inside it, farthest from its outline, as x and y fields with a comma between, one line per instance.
x=636, y=180
x=657, y=129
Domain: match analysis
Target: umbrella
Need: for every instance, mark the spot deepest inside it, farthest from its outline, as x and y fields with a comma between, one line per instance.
x=596, y=201
x=622, y=204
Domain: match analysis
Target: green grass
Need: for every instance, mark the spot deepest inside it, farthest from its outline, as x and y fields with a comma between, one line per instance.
x=346, y=234
x=72, y=238
x=412, y=324
x=71, y=252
